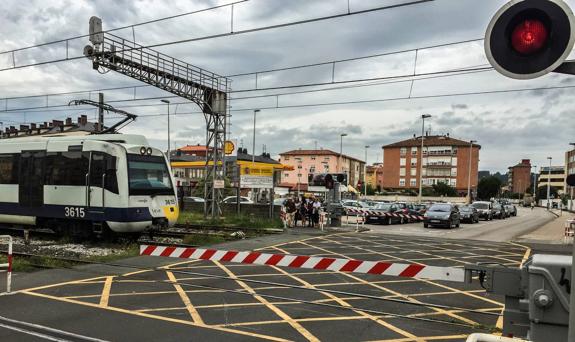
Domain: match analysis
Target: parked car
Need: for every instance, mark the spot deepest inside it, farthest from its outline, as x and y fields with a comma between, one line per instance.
x=193, y=199
x=442, y=214
x=469, y=214
x=499, y=211
x=511, y=209
x=485, y=209
x=351, y=204
x=233, y=200
x=280, y=201
x=385, y=208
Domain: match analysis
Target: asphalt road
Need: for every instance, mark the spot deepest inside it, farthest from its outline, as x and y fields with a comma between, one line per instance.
x=526, y=221
x=105, y=303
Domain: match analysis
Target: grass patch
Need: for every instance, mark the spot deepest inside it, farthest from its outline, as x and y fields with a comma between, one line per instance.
x=232, y=220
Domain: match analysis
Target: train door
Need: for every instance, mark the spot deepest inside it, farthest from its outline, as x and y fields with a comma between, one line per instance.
x=31, y=187
x=97, y=196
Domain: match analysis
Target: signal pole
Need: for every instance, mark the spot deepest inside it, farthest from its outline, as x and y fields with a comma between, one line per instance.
x=423, y=117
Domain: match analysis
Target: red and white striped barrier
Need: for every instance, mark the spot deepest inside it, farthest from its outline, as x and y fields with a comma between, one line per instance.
x=366, y=212
x=8, y=265
x=309, y=262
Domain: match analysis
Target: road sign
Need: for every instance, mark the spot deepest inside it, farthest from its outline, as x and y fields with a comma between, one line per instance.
x=219, y=184
x=256, y=182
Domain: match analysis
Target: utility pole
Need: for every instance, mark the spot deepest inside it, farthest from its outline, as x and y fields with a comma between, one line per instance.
x=549, y=184
x=534, y=181
x=365, y=172
x=101, y=112
x=423, y=117
x=254, y=139
x=469, y=172
x=340, y=161
x=1, y=129
x=169, y=147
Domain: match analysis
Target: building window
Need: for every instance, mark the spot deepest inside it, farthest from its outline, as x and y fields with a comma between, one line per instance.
x=402, y=171
x=454, y=161
x=402, y=162
x=286, y=175
x=453, y=172
x=453, y=182
x=414, y=151
x=403, y=151
x=413, y=172
x=401, y=182
x=312, y=158
x=286, y=158
x=326, y=159
x=311, y=169
x=413, y=182
x=414, y=163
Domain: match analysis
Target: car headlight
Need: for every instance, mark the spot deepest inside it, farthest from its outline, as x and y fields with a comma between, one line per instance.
x=446, y=217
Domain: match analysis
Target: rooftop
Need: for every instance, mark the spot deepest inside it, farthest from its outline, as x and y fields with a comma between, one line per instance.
x=320, y=152
x=431, y=140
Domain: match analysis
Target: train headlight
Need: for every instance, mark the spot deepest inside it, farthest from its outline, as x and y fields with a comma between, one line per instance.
x=142, y=150
x=149, y=151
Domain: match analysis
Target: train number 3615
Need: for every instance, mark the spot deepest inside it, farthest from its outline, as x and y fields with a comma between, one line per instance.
x=74, y=212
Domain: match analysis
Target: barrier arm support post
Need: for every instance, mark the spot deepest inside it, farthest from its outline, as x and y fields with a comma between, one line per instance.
x=8, y=265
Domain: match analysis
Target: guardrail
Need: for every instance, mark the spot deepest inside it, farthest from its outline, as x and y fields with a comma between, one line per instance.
x=8, y=265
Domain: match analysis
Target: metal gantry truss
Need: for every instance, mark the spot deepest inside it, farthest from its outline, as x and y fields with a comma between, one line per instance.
x=207, y=89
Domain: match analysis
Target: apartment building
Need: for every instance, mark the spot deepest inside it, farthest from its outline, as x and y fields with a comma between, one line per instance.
x=554, y=175
x=374, y=175
x=519, y=176
x=445, y=160
x=569, y=170
x=306, y=162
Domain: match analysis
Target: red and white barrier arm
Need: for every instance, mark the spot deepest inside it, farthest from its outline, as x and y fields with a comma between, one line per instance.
x=8, y=265
x=367, y=212
x=309, y=262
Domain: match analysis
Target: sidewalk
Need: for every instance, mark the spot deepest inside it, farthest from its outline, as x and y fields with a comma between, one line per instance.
x=552, y=233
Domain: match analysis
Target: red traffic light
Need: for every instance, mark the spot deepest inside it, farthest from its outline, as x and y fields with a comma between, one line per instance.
x=529, y=36
x=526, y=39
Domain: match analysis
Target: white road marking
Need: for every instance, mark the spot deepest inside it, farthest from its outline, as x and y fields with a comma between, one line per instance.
x=45, y=328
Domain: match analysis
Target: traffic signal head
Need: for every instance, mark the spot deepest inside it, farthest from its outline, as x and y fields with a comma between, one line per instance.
x=530, y=38
x=329, y=182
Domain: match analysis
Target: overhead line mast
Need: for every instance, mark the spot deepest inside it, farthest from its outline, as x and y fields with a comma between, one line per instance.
x=207, y=89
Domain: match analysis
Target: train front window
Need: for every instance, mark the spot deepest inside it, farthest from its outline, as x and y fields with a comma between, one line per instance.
x=149, y=175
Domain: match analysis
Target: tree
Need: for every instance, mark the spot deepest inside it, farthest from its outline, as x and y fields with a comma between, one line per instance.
x=444, y=189
x=542, y=192
x=488, y=187
x=370, y=189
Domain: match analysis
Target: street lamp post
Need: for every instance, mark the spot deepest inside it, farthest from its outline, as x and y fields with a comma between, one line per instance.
x=340, y=162
x=254, y=138
x=365, y=172
x=469, y=171
x=423, y=117
x=534, y=181
x=169, y=147
x=549, y=183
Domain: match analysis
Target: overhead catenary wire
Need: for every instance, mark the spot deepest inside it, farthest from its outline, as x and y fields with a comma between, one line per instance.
x=390, y=79
x=207, y=37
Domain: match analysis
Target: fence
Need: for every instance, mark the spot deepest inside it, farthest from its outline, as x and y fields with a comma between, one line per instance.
x=258, y=210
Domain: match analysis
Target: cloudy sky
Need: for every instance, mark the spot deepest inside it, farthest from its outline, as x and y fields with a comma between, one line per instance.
x=510, y=126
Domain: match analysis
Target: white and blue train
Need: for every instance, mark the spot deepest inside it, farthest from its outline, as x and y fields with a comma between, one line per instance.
x=80, y=185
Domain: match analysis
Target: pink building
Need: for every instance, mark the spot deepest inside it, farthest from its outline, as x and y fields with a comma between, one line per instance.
x=305, y=162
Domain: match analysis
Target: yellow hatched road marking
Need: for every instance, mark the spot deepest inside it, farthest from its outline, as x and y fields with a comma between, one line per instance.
x=162, y=318
x=105, y=297
x=303, y=331
x=441, y=285
x=184, y=297
x=342, y=302
x=427, y=338
x=461, y=318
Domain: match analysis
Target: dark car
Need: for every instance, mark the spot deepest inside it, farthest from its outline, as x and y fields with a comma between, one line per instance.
x=485, y=210
x=383, y=209
x=499, y=211
x=442, y=214
x=469, y=214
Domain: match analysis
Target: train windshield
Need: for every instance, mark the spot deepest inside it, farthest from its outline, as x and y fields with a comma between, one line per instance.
x=149, y=175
